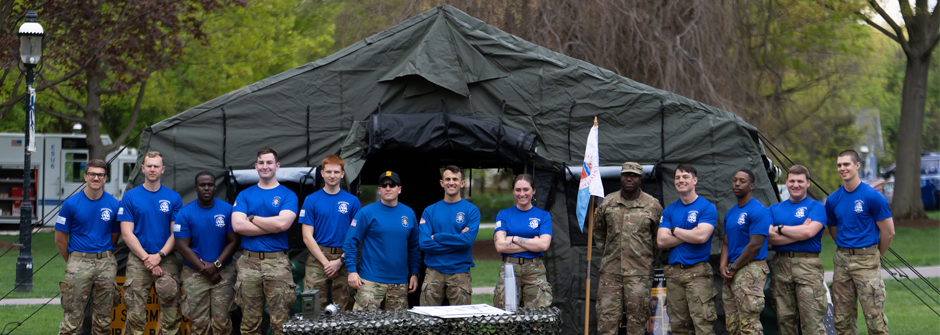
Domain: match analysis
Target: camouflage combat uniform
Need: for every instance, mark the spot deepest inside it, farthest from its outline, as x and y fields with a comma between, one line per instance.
x=264, y=277
x=858, y=274
x=457, y=287
x=208, y=305
x=338, y=287
x=625, y=234
x=531, y=283
x=89, y=276
x=743, y=298
x=799, y=293
x=371, y=295
x=690, y=293
x=137, y=289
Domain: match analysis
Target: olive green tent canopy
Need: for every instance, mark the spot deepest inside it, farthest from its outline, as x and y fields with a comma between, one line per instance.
x=443, y=87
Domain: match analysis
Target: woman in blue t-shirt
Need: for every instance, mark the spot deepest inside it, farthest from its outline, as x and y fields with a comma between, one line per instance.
x=522, y=235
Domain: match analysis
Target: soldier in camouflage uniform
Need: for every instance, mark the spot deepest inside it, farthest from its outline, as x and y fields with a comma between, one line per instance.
x=447, y=230
x=686, y=227
x=797, y=283
x=523, y=233
x=860, y=219
x=206, y=240
x=85, y=232
x=262, y=214
x=624, y=232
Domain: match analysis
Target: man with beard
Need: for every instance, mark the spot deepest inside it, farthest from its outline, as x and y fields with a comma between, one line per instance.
x=625, y=232
x=448, y=229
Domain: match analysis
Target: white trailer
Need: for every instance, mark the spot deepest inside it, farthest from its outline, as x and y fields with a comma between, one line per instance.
x=58, y=166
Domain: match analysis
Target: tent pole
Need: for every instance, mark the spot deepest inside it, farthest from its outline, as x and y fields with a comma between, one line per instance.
x=587, y=296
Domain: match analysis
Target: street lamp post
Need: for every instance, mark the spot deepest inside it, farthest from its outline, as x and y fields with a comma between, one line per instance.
x=31, y=38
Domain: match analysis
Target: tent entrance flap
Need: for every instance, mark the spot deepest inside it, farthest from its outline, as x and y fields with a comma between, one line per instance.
x=448, y=137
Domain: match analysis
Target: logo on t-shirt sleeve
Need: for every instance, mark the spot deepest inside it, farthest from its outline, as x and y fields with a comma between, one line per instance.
x=422, y=221
x=120, y=210
x=499, y=224
x=60, y=220
x=353, y=223
x=303, y=212
x=177, y=228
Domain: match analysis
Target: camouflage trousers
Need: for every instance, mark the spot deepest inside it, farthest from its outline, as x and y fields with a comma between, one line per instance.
x=137, y=286
x=531, y=283
x=743, y=299
x=800, y=294
x=263, y=280
x=456, y=286
x=690, y=298
x=338, y=287
x=371, y=295
x=208, y=305
x=88, y=277
x=858, y=277
x=617, y=294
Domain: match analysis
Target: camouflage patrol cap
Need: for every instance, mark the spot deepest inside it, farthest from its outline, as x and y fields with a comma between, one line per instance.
x=631, y=167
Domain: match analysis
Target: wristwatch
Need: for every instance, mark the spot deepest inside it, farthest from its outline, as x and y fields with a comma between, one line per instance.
x=414, y=274
x=731, y=267
x=218, y=265
x=673, y=231
x=160, y=253
x=250, y=218
x=780, y=229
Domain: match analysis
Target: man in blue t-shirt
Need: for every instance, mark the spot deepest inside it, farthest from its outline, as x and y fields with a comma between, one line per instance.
x=743, y=268
x=860, y=220
x=206, y=241
x=85, y=232
x=325, y=216
x=262, y=214
x=686, y=227
x=448, y=229
x=797, y=283
x=390, y=259
x=148, y=215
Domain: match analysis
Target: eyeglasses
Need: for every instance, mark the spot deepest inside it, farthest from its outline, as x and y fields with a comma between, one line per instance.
x=95, y=175
x=384, y=185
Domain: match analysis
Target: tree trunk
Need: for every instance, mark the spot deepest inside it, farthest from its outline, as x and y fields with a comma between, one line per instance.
x=92, y=119
x=907, y=203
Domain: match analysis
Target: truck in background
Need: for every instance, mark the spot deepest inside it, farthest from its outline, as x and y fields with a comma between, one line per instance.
x=58, y=167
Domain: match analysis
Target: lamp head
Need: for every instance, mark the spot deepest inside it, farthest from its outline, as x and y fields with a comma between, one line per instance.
x=31, y=36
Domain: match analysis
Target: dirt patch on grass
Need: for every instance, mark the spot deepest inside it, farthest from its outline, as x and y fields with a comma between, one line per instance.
x=918, y=224
x=484, y=250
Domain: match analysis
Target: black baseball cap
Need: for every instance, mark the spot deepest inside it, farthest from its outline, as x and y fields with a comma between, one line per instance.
x=391, y=175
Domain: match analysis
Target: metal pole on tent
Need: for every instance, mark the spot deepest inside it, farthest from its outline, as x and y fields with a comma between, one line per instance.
x=587, y=296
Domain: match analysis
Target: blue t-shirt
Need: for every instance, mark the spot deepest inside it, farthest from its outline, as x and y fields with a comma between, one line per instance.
x=450, y=250
x=329, y=214
x=151, y=213
x=689, y=216
x=265, y=203
x=856, y=215
x=389, y=237
x=531, y=223
x=741, y=223
x=89, y=223
x=790, y=213
x=206, y=227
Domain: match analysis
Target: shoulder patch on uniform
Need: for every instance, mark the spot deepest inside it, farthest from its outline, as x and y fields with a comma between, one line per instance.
x=353, y=223
x=303, y=212
x=60, y=220
x=176, y=228
x=499, y=224
x=422, y=221
x=120, y=210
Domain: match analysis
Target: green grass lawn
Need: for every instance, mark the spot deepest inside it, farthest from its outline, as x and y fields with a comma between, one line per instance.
x=485, y=273
x=482, y=299
x=45, y=280
x=46, y=321
x=485, y=234
x=918, y=247
x=906, y=314
x=933, y=215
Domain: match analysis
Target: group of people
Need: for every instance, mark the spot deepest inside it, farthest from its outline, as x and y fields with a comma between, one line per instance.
x=207, y=232
x=630, y=221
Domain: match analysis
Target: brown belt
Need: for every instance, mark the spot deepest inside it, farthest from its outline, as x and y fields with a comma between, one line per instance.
x=331, y=250
x=793, y=254
x=683, y=266
x=97, y=255
x=870, y=250
x=520, y=260
x=263, y=255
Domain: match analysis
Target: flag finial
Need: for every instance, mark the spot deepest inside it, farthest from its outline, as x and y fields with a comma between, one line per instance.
x=595, y=121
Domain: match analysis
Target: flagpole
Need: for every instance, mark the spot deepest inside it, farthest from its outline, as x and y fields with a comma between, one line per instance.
x=587, y=296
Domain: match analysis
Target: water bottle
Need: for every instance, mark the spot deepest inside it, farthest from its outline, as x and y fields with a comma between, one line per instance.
x=509, y=283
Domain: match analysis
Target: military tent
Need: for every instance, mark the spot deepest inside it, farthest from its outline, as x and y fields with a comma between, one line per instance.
x=445, y=88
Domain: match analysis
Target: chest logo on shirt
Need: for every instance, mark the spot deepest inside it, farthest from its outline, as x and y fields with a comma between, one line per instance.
x=859, y=206
x=460, y=217
x=801, y=212
x=105, y=214
x=220, y=220
x=165, y=206
x=276, y=201
x=343, y=207
x=404, y=221
x=693, y=216
x=742, y=219
x=533, y=223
